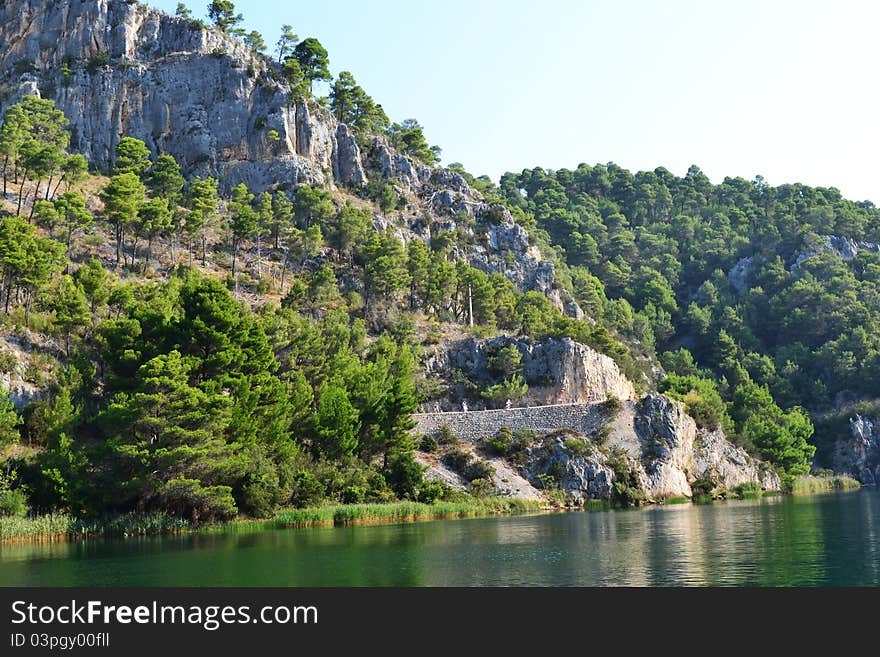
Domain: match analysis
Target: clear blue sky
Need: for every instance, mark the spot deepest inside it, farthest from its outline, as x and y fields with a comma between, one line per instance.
x=784, y=89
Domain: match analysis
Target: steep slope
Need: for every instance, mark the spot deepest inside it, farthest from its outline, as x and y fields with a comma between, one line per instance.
x=591, y=449
x=118, y=68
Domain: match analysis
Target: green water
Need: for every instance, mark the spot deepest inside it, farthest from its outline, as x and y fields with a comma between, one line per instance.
x=780, y=541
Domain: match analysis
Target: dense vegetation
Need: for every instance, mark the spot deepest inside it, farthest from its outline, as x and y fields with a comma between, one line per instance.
x=216, y=352
x=174, y=395
x=736, y=286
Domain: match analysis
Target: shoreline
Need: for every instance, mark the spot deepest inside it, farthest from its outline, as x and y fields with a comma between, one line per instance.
x=62, y=527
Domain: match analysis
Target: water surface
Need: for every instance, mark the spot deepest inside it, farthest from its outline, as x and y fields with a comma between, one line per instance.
x=818, y=540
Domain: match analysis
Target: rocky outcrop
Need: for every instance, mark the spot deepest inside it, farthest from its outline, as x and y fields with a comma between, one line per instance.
x=858, y=454
x=18, y=359
x=738, y=276
x=722, y=464
x=671, y=453
x=582, y=475
x=845, y=248
x=557, y=371
x=585, y=448
x=118, y=68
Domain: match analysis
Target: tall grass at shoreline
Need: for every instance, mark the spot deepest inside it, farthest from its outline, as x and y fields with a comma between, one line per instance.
x=352, y=514
x=65, y=527
x=61, y=526
x=806, y=484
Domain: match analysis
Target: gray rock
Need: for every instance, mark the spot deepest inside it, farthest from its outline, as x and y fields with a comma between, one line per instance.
x=195, y=93
x=582, y=477
x=738, y=276
x=858, y=454
x=844, y=247
x=718, y=460
x=557, y=371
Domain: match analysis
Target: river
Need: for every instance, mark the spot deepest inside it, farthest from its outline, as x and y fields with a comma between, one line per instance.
x=817, y=540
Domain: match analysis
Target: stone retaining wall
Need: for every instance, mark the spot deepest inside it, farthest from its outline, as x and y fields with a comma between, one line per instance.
x=473, y=425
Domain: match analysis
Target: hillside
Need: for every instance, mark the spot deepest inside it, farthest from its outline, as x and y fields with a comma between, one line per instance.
x=223, y=295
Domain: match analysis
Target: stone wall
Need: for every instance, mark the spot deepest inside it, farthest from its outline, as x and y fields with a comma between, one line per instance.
x=473, y=425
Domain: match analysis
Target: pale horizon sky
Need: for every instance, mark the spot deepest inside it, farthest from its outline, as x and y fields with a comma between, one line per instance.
x=783, y=89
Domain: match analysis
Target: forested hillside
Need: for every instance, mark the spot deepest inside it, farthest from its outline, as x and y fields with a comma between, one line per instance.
x=251, y=328
x=741, y=288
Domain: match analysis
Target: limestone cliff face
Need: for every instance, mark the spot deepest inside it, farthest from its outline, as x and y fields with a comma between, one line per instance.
x=669, y=452
x=118, y=68
x=557, y=371
x=858, y=454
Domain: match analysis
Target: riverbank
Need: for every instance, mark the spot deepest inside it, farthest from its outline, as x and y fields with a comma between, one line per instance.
x=807, y=484
x=62, y=527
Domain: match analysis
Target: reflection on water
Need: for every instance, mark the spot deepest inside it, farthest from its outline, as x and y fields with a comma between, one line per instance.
x=777, y=541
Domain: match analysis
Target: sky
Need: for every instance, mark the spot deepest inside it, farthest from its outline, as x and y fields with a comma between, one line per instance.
x=778, y=88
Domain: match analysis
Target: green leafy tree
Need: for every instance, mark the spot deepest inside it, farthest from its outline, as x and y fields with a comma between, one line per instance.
x=353, y=106
x=28, y=261
x=10, y=421
x=222, y=14
x=286, y=43
x=69, y=307
x=14, y=132
x=282, y=214
x=336, y=421
x=313, y=60
x=418, y=264
x=243, y=220
x=73, y=171
x=313, y=206
x=165, y=431
x=73, y=215
x=409, y=138
x=154, y=218
x=165, y=178
x=132, y=156
x=348, y=230
x=255, y=40
x=123, y=197
x=203, y=205
x=95, y=281
x=293, y=73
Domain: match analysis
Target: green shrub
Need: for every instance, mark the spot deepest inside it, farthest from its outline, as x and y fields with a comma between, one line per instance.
x=432, y=491
x=482, y=487
x=446, y=437
x=479, y=469
x=747, y=490
x=8, y=362
x=703, y=487
x=577, y=447
x=97, y=61
x=429, y=444
x=354, y=495
x=307, y=490
x=405, y=475
x=458, y=460
x=13, y=503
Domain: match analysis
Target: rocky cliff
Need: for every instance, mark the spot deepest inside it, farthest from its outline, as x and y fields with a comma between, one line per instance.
x=118, y=68
x=556, y=371
x=858, y=454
